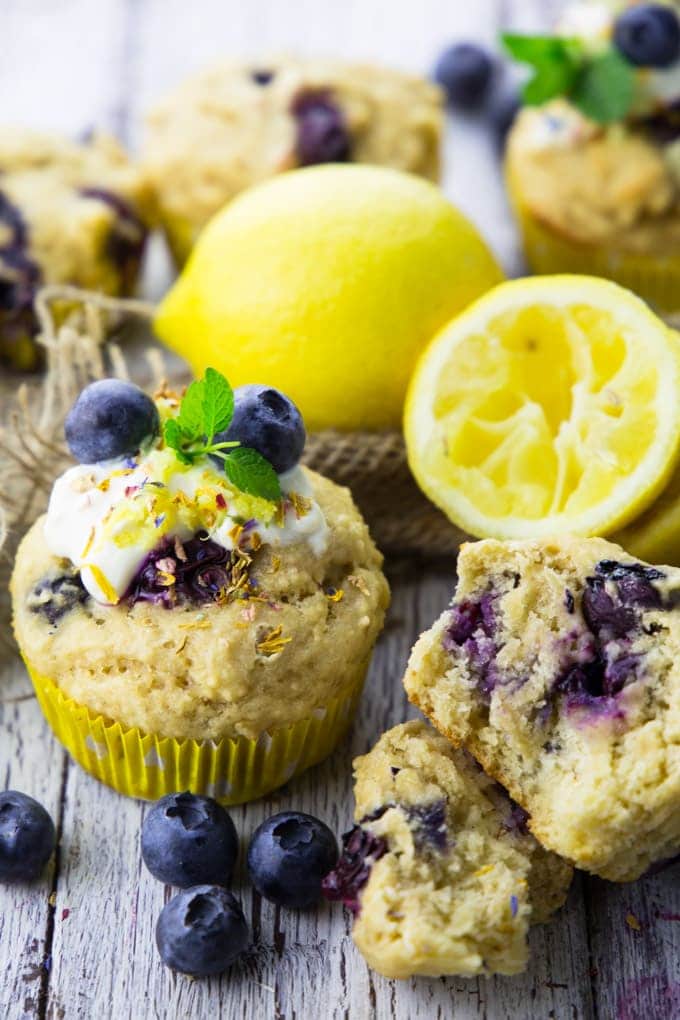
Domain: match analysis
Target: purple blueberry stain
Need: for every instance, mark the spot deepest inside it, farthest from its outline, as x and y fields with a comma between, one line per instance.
x=54, y=597
x=428, y=824
x=600, y=665
x=127, y=240
x=322, y=134
x=360, y=850
x=517, y=820
x=196, y=571
x=261, y=76
x=20, y=277
x=472, y=627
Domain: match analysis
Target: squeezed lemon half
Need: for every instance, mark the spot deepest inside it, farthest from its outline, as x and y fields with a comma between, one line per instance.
x=551, y=404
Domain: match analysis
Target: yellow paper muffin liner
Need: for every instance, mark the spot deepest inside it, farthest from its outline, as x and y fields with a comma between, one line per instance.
x=656, y=278
x=231, y=770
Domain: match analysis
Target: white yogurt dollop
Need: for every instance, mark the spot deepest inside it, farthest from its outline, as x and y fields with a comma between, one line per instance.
x=107, y=518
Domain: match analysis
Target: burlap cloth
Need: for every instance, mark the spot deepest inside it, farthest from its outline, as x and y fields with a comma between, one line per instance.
x=32, y=449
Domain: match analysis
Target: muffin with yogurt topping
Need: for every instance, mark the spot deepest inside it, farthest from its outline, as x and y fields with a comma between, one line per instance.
x=196, y=610
x=594, y=168
x=70, y=213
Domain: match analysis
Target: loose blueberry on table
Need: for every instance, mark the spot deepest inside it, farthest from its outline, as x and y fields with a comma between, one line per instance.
x=27, y=837
x=289, y=856
x=110, y=418
x=189, y=840
x=201, y=931
x=465, y=72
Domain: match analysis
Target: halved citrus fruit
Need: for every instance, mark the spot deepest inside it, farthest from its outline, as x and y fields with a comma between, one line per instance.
x=551, y=404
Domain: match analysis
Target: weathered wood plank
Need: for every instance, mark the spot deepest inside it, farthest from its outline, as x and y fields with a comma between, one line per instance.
x=634, y=937
x=33, y=763
x=103, y=949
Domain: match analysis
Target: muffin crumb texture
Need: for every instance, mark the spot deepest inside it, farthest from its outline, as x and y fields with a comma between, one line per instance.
x=557, y=668
x=440, y=869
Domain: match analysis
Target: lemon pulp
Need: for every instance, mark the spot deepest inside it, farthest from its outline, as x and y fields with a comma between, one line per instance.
x=551, y=404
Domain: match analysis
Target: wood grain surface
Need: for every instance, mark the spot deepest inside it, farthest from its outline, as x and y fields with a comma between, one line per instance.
x=78, y=945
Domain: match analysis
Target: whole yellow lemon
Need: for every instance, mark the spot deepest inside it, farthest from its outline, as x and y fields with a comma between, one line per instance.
x=327, y=282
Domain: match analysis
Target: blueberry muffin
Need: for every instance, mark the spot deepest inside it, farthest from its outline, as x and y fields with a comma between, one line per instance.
x=440, y=870
x=70, y=212
x=595, y=177
x=556, y=667
x=185, y=625
x=239, y=123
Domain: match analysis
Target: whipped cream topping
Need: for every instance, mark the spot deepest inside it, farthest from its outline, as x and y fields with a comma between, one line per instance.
x=106, y=518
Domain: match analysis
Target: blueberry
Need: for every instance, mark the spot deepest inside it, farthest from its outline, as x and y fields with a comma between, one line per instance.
x=648, y=35
x=464, y=71
x=201, y=931
x=504, y=109
x=429, y=824
x=189, y=840
x=267, y=421
x=322, y=135
x=261, y=76
x=288, y=857
x=127, y=239
x=109, y=419
x=27, y=837
x=360, y=850
x=54, y=597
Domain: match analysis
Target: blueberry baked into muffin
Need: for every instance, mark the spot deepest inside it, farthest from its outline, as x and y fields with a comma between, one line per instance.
x=196, y=609
x=594, y=174
x=557, y=668
x=440, y=870
x=238, y=123
x=70, y=212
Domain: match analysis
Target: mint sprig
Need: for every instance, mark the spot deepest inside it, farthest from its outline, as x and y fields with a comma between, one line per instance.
x=207, y=409
x=600, y=84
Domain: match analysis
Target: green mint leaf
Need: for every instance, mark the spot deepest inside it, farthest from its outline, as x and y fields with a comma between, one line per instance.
x=556, y=62
x=549, y=80
x=605, y=87
x=217, y=403
x=173, y=434
x=175, y=438
x=541, y=49
x=190, y=417
x=250, y=472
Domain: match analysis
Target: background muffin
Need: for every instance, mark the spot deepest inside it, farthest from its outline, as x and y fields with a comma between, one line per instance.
x=239, y=123
x=595, y=175
x=70, y=212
